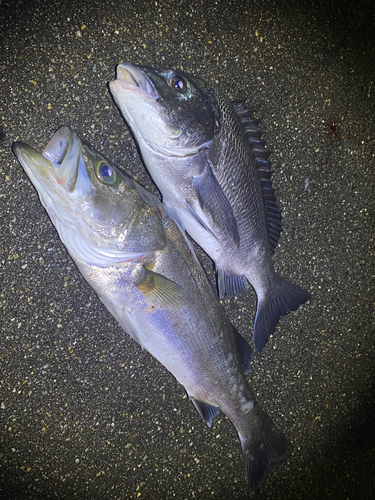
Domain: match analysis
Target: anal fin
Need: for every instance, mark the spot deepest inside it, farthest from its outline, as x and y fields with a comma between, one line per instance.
x=229, y=284
x=206, y=411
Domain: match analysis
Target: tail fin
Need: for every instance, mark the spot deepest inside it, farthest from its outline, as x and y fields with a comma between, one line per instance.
x=285, y=298
x=270, y=448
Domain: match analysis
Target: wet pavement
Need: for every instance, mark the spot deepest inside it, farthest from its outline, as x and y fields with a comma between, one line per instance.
x=84, y=412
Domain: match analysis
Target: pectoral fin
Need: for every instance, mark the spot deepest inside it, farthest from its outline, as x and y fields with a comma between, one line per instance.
x=160, y=290
x=212, y=200
x=198, y=219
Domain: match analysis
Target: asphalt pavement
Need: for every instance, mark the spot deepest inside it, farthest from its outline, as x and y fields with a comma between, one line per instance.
x=84, y=412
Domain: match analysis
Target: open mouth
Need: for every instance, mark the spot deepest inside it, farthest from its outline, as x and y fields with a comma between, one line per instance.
x=131, y=78
x=59, y=160
x=64, y=151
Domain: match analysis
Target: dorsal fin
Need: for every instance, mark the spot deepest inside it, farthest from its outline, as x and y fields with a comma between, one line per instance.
x=261, y=155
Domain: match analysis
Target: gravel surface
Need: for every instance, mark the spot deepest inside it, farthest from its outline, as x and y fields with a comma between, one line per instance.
x=84, y=412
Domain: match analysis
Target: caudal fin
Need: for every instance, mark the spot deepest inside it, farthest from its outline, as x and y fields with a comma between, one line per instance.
x=286, y=297
x=270, y=448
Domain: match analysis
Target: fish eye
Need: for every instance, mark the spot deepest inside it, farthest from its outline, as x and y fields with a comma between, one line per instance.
x=178, y=84
x=106, y=173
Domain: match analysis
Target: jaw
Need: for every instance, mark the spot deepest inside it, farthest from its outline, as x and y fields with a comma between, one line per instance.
x=140, y=104
x=141, y=112
x=144, y=117
x=134, y=79
x=54, y=174
x=135, y=95
x=59, y=171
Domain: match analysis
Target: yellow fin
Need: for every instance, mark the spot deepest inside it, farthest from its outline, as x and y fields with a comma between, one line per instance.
x=159, y=290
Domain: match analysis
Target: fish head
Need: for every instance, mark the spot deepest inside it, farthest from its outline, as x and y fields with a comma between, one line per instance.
x=101, y=214
x=172, y=113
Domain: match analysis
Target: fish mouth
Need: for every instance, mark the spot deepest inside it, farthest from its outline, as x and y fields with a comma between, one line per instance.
x=130, y=77
x=59, y=163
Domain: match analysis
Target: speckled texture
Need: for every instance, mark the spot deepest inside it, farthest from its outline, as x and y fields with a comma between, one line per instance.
x=84, y=413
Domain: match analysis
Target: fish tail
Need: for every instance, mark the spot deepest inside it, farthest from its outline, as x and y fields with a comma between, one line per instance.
x=269, y=448
x=285, y=297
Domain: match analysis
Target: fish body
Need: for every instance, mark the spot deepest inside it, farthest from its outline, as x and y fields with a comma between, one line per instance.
x=133, y=254
x=208, y=160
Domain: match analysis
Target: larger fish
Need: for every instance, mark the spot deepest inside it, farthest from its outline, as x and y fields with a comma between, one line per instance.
x=208, y=160
x=139, y=263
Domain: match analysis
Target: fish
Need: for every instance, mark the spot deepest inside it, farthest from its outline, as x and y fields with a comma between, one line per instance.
x=146, y=273
x=207, y=158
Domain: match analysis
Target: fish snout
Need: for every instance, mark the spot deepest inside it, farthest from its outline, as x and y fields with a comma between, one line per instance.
x=132, y=78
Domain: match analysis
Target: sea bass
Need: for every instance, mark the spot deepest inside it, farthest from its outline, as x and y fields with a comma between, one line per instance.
x=207, y=158
x=133, y=254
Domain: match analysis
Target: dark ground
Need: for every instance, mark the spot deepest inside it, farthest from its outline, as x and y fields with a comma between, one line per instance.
x=84, y=413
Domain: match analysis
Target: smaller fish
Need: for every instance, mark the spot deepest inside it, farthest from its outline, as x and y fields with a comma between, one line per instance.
x=209, y=162
x=144, y=271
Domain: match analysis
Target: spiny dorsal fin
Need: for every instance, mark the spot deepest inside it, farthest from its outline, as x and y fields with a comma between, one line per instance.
x=261, y=155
